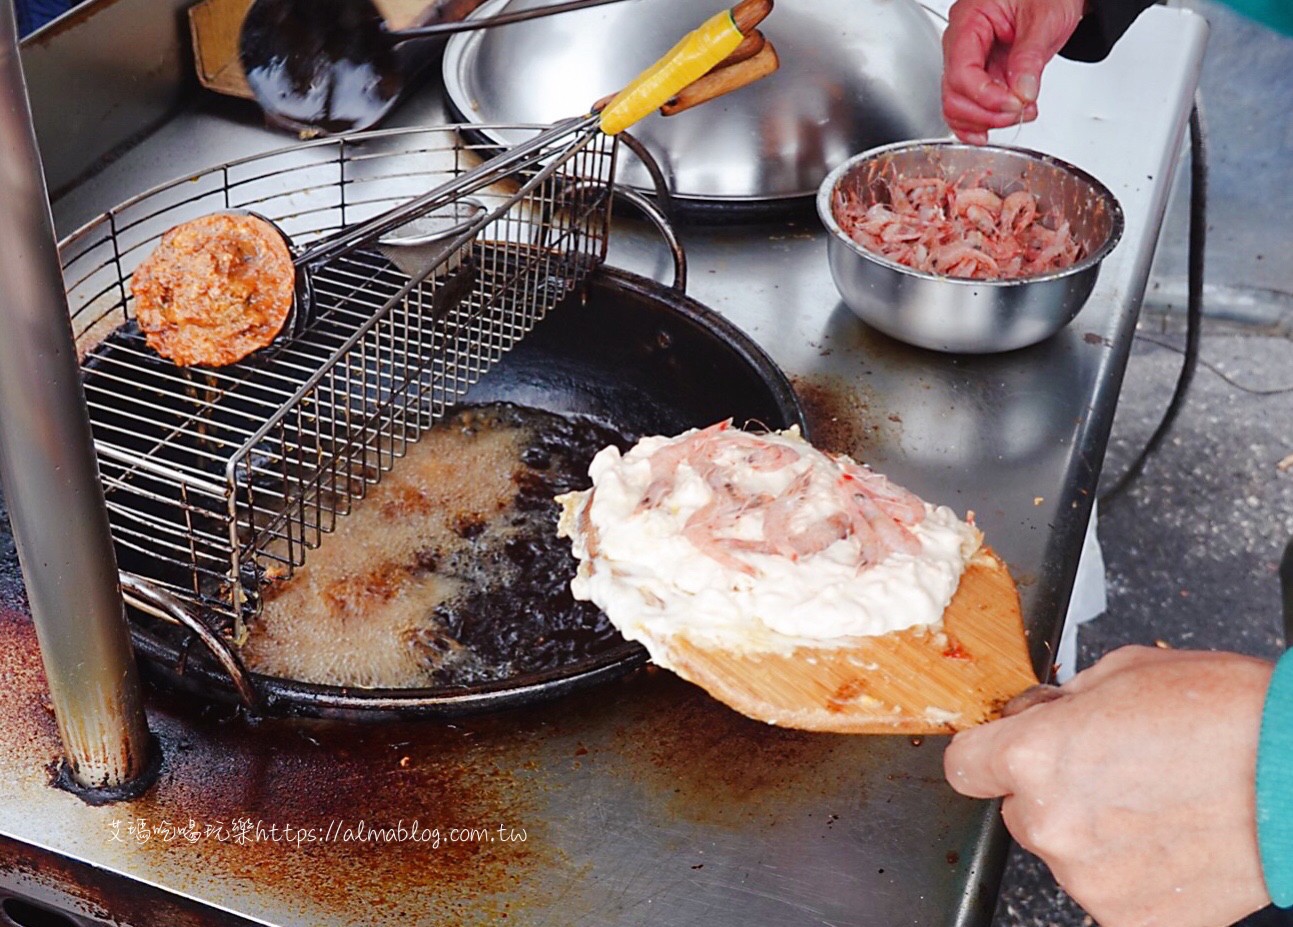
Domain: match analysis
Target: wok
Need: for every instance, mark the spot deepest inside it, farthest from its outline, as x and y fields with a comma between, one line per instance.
x=633, y=353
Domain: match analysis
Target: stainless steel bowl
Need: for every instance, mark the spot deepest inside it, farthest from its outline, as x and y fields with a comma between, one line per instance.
x=960, y=315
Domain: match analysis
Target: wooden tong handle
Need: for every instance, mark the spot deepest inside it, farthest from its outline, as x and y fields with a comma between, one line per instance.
x=724, y=79
x=750, y=46
x=690, y=62
x=752, y=60
x=749, y=13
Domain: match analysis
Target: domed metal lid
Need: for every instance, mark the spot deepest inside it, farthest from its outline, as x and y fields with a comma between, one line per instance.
x=852, y=76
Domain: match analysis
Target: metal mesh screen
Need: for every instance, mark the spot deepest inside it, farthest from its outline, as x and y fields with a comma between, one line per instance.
x=218, y=478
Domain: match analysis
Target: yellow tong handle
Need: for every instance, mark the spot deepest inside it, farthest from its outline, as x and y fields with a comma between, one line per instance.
x=692, y=58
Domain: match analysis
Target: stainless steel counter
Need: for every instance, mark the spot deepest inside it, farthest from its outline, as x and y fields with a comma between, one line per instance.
x=644, y=802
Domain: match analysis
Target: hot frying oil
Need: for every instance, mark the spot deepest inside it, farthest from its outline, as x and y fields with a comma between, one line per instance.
x=449, y=571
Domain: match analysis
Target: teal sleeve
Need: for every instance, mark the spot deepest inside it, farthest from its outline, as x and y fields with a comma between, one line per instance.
x=1275, y=784
x=1275, y=14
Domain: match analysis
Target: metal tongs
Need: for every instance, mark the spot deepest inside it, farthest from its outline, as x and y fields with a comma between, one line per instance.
x=723, y=54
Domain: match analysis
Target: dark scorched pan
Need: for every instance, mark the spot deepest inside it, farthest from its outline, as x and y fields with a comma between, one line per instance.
x=633, y=353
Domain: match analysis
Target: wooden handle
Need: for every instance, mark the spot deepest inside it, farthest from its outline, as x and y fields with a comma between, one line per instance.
x=717, y=58
x=749, y=13
x=723, y=80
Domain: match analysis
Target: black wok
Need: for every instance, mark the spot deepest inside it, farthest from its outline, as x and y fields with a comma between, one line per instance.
x=635, y=354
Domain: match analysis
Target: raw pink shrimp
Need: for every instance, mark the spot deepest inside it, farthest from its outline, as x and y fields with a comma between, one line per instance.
x=1052, y=248
x=982, y=219
x=768, y=458
x=665, y=461
x=898, y=503
x=892, y=535
x=959, y=254
x=700, y=533
x=1018, y=211
x=792, y=524
x=779, y=534
x=977, y=198
x=961, y=229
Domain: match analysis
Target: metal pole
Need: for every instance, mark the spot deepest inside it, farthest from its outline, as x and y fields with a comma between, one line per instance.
x=49, y=472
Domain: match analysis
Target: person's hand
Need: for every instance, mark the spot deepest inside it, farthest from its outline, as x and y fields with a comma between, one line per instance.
x=1136, y=786
x=993, y=55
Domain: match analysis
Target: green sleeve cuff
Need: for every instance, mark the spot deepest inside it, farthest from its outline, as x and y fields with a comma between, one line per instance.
x=1275, y=785
x=1276, y=14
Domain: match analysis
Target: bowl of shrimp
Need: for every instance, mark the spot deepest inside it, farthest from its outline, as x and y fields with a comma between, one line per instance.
x=963, y=248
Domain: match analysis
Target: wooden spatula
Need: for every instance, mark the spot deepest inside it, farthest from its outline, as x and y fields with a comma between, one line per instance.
x=915, y=681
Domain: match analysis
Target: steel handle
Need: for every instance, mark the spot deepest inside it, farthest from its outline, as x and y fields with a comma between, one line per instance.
x=153, y=600
x=657, y=217
x=488, y=22
x=496, y=168
x=694, y=57
x=747, y=14
x=659, y=211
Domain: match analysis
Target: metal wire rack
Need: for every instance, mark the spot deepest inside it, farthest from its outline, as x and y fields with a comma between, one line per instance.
x=218, y=479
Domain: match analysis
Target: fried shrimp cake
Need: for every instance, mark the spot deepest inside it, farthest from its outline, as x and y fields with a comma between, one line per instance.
x=214, y=290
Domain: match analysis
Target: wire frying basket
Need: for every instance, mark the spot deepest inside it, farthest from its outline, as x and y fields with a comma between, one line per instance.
x=219, y=479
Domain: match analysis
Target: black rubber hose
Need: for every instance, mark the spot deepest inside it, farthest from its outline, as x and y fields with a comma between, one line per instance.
x=1193, y=304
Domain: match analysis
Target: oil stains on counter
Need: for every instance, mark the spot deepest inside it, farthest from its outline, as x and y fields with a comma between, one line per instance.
x=697, y=762
x=844, y=417
x=466, y=798
x=236, y=780
x=27, y=724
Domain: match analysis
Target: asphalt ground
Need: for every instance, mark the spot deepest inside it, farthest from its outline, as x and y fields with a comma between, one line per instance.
x=1192, y=548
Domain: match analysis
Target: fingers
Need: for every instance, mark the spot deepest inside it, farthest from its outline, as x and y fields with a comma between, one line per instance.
x=1033, y=695
x=1024, y=67
x=971, y=90
x=974, y=132
x=965, y=116
x=994, y=52
x=976, y=762
x=1041, y=31
x=970, y=135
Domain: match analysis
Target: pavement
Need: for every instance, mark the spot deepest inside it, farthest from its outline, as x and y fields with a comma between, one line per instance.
x=1192, y=549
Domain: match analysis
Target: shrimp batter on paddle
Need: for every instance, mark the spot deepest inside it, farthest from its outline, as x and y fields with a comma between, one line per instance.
x=728, y=531
x=802, y=589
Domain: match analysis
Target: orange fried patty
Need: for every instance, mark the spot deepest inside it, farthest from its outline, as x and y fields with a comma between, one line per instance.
x=214, y=290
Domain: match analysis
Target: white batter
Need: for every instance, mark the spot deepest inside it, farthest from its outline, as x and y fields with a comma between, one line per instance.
x=744, y=586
